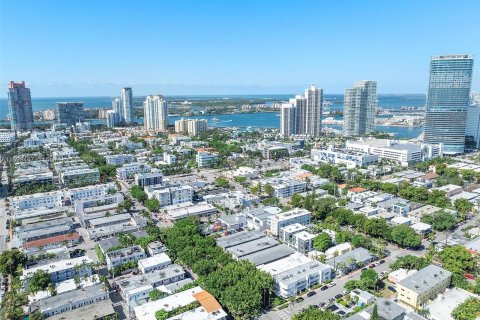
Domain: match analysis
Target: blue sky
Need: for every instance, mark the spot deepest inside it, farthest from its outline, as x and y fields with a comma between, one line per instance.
x=92, y=48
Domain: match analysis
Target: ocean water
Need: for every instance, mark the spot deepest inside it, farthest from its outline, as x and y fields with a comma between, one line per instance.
x=256, y=120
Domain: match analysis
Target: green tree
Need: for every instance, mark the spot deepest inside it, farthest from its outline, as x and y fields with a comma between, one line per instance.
x=322, y=242
x=161, y=315
x=410, y=262
x=369, y=279
x=153, y=204
x=156, y=294
x=222, y=182
x=440, y=220
x=375, y=315
x=468, y=310
x=312, y=313
x=268, y=189
x=457, y=259
x=10, y=260
x=463, y=207
x=405, y=236
x=36, y=315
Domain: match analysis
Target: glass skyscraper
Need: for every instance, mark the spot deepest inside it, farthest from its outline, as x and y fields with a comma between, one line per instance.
x=20, y=106
x=448, y=100
x=359, y=108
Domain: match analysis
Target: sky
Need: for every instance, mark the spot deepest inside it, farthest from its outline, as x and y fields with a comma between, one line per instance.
x=93, y=48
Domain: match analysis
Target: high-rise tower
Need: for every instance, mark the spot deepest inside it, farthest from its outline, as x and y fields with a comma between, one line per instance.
x=126, y=102
x=313, y=111
x=155, y=113
x=20, y=106
x=448, y=100
x=359, y=108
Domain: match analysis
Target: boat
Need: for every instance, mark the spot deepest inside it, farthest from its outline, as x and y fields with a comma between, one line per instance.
x=215, y=119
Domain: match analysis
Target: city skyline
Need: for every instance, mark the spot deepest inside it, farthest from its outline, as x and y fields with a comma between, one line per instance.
x=240, y=57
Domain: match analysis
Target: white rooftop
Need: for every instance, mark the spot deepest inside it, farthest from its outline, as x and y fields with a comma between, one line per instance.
x=155, y=260
x=292, y=261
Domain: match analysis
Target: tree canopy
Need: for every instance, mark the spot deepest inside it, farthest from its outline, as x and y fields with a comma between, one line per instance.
x=312, y=313
x=322, y=242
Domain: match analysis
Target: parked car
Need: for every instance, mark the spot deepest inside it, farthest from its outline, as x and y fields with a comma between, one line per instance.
x=372, y=266
x=381, y=261
x=299, y=299
x=324, y=288
x=392, y=289
x=311, y=294
x=338, y=296
x=332, y=284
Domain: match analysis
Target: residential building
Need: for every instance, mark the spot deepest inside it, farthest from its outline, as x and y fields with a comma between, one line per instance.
x=70, y=112
x=296, y=236
x=447, y=101
x=126, y=104
x=192, y=127
x=288, y=119
x=283, y=219
x=112, y=118
x=70, y=300
x=313, y=111
x=62, y=270
x=156, y=113
x=359, y=108
x=401, y=151
x=6, y=137
x=179, y=211
x=296, y=273
x=351, y=260
x=119, y=257
x=20, y=106
x=386, y=309
x=442, y=307
x=155, y=248
x=147, y=179
x=419, y=288
x=128, y=171
x=37, y=200
x=170, y=195
x=120, y=159
x=351, y=158
x=110, y=220
x=156, y=262
x=206, y=159
x=79, y=177
x=91, y=192
x=209, y=308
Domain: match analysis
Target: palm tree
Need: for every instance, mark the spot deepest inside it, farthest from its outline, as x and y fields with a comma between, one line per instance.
x=424, y=313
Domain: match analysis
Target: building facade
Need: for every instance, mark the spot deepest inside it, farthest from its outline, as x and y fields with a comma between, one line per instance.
x=359, y=108
x=126, y=103
x=155, y=113
x=313, y=111
x=447, y=101
x=20, y=106
x=70, y=112
x=288, y=119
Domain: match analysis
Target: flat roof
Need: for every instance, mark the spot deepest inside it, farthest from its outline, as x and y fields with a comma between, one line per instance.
x=269, y=255
x=57, y=266
x=276, y=267
x=155, y=260
x=239, y=238
x=93, y=311
x=441, y=309
x=150, y=278
x=110, y=219
x=425, y=278
x=61, y=299
x=252, y=246
x=172, y=302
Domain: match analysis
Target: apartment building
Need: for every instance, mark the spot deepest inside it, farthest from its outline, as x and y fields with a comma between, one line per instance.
x=62, y=270
x=206, y=159
x=37, y=200
x=154, y=263
x=80, y=176
x=283, y=219
x=128, y=171
x=118, y=257
x=418, y=289
x=120, y=159
x=148, y=179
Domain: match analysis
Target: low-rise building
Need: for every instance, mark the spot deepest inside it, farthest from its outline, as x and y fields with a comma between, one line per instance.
x=419, y=288
x=209, y=308
x=37, y=200
x=120, y=159
x=351, y=159
x=442, y=307
x=147, y=179
x=128, y=171
x=188, y=209
x=69, y=300
x=62, y=270
x=350, y=261
x=156, y=247
x=295, y=274
x=283, y=219
x=156, y=262
x=81, y=176
x=119, y=257
x=206, y=159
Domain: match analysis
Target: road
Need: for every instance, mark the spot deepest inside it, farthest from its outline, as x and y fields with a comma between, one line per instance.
x=324, y=296
x=3, y=212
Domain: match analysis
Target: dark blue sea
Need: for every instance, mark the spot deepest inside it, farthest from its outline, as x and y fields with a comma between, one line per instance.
x=256, y=120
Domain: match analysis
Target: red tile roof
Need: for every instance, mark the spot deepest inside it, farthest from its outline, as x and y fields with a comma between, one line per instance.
x=47, y=241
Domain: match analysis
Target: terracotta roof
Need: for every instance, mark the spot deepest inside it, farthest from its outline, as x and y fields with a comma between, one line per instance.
x=305, y=175
x=430, y=176
x=46, y=241
x=205, y=149
x=208, y=302
x=357, y=190
x=342, y=186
